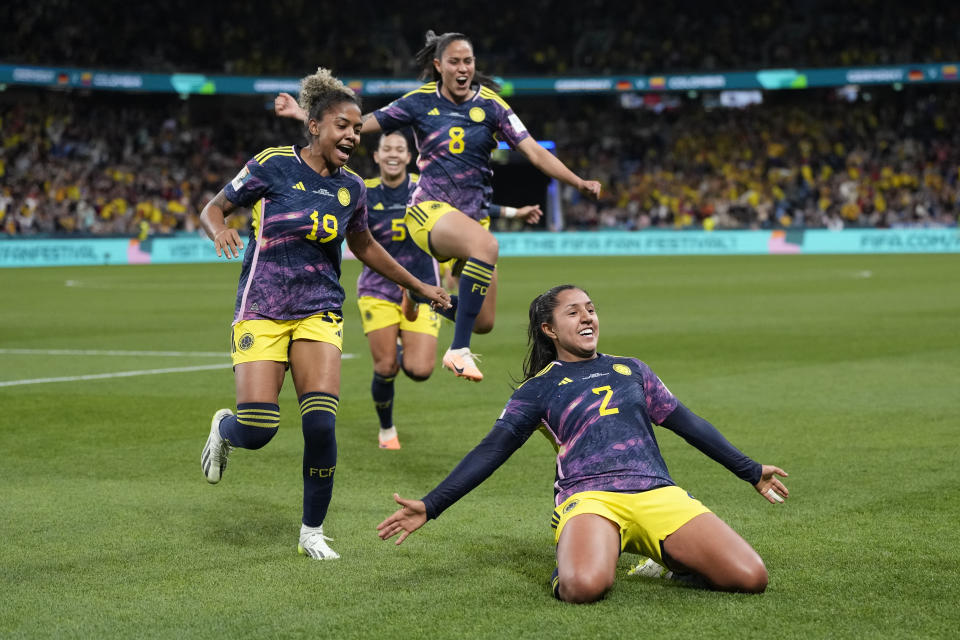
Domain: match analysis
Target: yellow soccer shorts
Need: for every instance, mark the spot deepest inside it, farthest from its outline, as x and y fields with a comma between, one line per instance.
x=377, y=314
x=253, y=340
x=645, y=519
x=420, y=219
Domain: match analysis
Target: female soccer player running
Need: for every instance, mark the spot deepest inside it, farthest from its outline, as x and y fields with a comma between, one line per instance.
x=457, y=119
x=386, y=312
x=305, y=201
x=613, y=491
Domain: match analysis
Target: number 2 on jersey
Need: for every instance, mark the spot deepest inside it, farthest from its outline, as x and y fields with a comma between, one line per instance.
x=329, y=225
x=457, y=143
x=606, y=400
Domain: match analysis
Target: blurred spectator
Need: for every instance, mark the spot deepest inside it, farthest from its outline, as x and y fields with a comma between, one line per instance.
x=112, y=163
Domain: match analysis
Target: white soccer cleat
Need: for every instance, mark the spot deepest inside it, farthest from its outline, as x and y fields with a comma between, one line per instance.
x=463, y=363
x=213, y=460
x=314, y=544
x=647, y=568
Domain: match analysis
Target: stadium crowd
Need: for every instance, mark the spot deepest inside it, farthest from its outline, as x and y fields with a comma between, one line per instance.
x=137, y=165
x=593, y=36
x=122, y=163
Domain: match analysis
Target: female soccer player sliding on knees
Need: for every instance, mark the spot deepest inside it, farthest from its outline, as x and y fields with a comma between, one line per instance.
x=613, y=491
x=288, y=312
x=457, y=119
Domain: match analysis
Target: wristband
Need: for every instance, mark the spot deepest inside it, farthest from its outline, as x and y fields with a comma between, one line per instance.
x=508, y=212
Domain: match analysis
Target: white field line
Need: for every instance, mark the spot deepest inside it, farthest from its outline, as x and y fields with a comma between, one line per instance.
x=121, y=374
x=98, y=352
x=116, y=374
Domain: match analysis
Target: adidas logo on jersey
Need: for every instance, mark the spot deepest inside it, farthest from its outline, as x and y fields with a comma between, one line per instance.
x=378, y=206
x=299, y=187
x=564, y=381
x=433, y=112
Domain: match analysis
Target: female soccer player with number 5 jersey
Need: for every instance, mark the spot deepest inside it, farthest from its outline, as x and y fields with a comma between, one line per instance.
x=457, y=123
x=613, y=490
x=381, y=301
x=288, y=312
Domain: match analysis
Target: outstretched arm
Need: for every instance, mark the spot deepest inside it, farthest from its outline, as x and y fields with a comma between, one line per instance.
x=705, y=437
x=286, y=106
x=475, y=467
x=371, y=253
x=553, y=167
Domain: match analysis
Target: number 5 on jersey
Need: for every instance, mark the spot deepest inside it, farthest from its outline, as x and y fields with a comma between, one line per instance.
x=399, y=230
x=607, y=393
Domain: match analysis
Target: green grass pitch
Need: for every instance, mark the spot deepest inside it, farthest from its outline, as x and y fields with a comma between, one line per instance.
x=841, y=369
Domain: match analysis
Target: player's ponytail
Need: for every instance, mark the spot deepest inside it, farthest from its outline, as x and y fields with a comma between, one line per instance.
x=434, y=48
x=321, y=90
x=540, y=348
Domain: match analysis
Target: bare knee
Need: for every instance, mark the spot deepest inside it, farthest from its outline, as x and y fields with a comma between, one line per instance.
x=585, y=586
x=386, y=368
x=747, y=577
x=486, y=248
x=482, y=325
x=418, y=373
x=754, y=580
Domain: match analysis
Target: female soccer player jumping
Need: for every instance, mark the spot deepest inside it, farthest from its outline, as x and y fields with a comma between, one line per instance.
x=289, y=300
x=457, y=119
x=613, y=491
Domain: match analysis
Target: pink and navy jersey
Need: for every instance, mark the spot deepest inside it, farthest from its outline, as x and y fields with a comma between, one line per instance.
x=454, y=143
x=386, y=207
x=291, y=264
x=599, y=414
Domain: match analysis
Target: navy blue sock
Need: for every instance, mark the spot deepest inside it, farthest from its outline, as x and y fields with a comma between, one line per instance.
x=474, y=282
x=451, y=313
x=382, y=391
x=318, y=413
x=253, y=426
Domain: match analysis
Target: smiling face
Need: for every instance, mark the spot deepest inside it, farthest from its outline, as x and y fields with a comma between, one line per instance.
x=456, y=69
x=393, y=156
x=574, y=326
x=337, y=135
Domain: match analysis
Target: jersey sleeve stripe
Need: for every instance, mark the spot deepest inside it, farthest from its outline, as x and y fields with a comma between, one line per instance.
x=430, y=87
x=273, y=151
x=490, y=94
x=279, y=154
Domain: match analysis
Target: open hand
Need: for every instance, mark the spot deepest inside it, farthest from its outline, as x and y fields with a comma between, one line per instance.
x=411, y=515
x=770, y=486
x=227, y=242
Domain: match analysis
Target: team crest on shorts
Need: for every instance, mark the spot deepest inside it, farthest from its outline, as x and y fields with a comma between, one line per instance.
x=436, y=205
x=245, y=341
x=570, y=507
x=477, y=114
x=343, y=195
x=622, y=369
